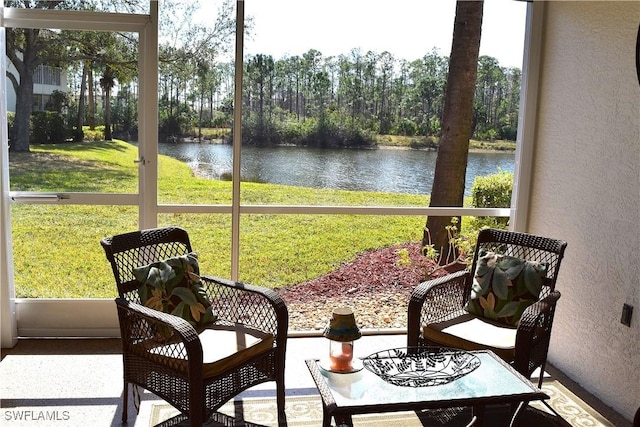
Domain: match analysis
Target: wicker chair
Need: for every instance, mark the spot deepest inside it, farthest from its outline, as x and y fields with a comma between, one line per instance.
x=436, y=314
x=177, y=372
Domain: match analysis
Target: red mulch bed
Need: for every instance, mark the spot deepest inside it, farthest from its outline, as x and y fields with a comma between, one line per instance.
x=370, y=273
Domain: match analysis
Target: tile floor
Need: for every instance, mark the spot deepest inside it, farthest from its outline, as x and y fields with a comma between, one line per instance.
x=63, y=382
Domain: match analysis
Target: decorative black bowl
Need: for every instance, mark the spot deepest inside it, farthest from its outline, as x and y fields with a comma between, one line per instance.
x=412, y=367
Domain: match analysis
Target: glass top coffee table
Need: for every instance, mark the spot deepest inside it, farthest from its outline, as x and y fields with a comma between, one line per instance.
x=492, y=381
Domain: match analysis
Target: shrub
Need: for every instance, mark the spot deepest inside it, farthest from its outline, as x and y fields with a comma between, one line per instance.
x=47, y=127
x=313, y=132
x=353, y=136
x=492, y=191
x=78, y=134
x=96, y=134
x=11, y=119
x=407, y=127
x=57, y=129
x=173, y=127
x=430, y=142
x=213, y=133
x=57, y=102
x=296, y=132
x=435, y=126
x=259, y=133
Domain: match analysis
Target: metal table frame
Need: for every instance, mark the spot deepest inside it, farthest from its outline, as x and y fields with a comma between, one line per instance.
x=343, y=413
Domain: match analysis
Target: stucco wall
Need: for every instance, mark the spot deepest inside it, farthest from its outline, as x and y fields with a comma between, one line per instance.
x=586, y=190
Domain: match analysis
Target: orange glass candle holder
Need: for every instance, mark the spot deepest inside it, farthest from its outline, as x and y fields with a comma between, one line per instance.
x=341, y=332
x=340, y=355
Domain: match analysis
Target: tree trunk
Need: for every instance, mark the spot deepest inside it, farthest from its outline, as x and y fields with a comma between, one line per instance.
x=200, y=114
x=23, y=85
x=91, y=103
x=107, y=115
x=79, y=135
x=23, y=112
x=453, y=150
x=106, y=83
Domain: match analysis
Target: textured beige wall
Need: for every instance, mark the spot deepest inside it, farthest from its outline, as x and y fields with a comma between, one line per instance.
x=586, y=190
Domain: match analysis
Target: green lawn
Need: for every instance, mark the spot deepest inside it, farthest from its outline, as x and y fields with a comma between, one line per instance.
x=407, y=141
x=56, y=248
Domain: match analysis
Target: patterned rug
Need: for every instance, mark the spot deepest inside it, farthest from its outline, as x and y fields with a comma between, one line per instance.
x=306, y=411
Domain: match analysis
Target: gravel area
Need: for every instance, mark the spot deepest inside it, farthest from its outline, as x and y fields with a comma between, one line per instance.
x=374, y=285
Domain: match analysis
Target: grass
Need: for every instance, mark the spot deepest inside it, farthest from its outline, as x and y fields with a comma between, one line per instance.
x=400, y=141
x=211, y=133
x=397, y=141
x=56, y=247
x=497, y=145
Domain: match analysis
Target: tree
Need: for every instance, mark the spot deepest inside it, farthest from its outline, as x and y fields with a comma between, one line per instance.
x=184, y=46
x=203, y=72
x=107, y=82
x=111, y=54
x=424, y=97
x=451, y=163
x=490, y=93
x=27, y=48
x=259, y=73
x=79, y=135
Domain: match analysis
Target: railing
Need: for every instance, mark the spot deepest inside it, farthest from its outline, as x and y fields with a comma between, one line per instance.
x=46, y=75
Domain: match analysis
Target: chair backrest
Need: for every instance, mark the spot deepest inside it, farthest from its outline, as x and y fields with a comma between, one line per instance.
x=525, y=246
x=138, y=248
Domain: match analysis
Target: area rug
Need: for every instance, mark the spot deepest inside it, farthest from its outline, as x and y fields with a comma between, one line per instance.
x=306, y=411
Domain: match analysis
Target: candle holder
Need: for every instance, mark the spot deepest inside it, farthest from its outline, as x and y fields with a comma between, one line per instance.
x=342, y=332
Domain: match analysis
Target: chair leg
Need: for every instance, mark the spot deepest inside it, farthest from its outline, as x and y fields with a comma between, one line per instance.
x=280, y=402
x=196, y=419
x=541, y=377
x=125, y=401
x=546, y=403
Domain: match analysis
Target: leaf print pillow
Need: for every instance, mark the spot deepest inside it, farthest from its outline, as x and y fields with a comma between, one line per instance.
x=504, y=286
x=173, y=286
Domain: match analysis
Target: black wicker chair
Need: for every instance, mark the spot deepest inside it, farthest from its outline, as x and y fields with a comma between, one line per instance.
x=436, y=314
x=175, y=372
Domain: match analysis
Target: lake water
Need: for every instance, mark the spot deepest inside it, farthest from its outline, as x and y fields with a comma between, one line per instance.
x=389, y=170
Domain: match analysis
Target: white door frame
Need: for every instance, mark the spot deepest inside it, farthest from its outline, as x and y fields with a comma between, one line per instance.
x=92, y=317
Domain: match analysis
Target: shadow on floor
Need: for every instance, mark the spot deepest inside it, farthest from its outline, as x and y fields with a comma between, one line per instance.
x=52, y=373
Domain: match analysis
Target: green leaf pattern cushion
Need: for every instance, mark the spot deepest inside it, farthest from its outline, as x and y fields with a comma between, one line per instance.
x=173, y=286
x=504, y=286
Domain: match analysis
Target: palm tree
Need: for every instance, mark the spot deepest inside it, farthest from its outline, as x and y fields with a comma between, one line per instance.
x=453, y=150
x=107, y=82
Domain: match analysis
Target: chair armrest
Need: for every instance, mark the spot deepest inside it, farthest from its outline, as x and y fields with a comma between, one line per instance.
x=436, y=300
x=254, y=306
x=534, y=334
x=137, y=326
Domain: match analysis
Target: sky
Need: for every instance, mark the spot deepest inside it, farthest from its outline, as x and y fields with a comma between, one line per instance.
x=408, y=29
